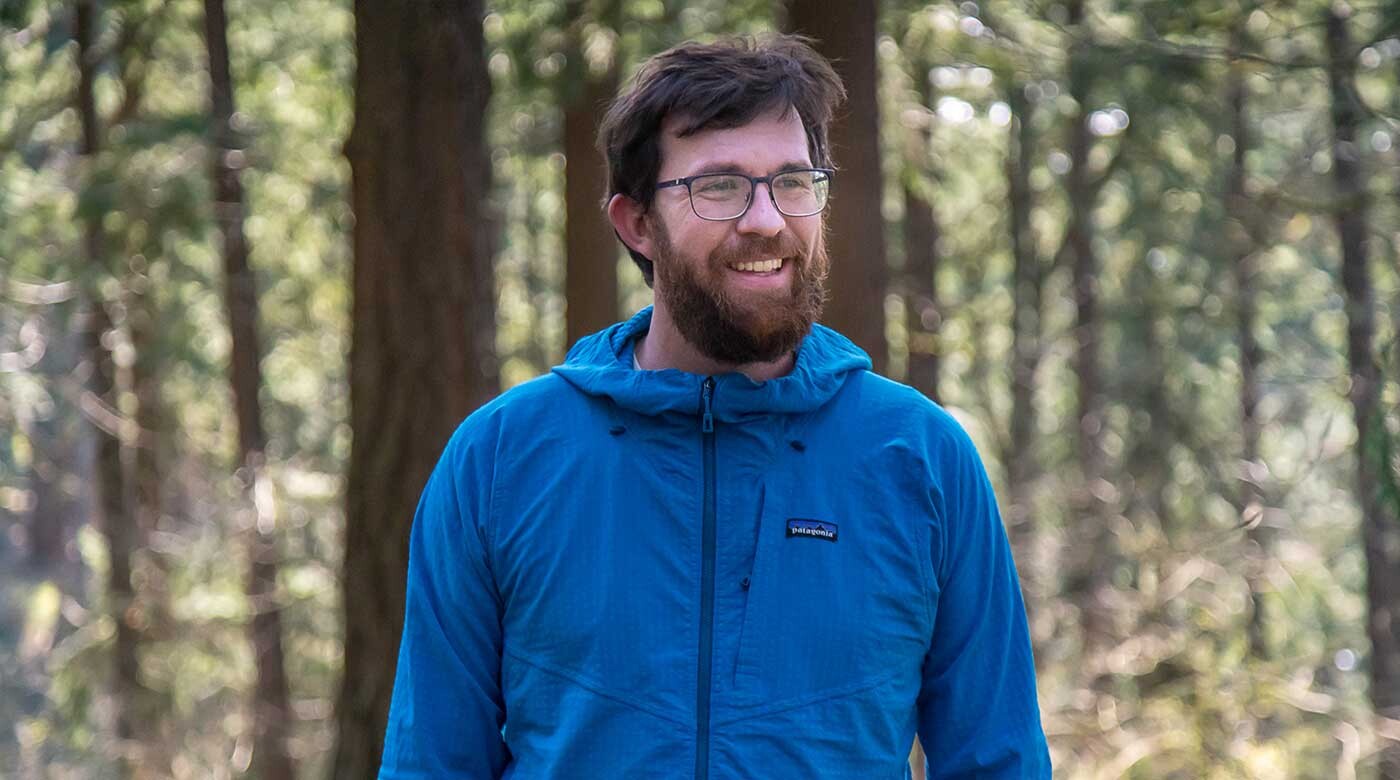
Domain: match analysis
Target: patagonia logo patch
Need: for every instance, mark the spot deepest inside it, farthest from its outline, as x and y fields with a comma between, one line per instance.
x=814, y=529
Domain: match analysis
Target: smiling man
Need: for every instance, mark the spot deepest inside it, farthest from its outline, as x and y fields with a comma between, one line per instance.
x=712, y=543
x=749, y=283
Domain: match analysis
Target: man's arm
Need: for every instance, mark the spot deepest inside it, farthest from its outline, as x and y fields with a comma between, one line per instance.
x=447, y=711
x=978, y=713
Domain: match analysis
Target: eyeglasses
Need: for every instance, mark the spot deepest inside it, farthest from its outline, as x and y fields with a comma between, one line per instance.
x=718, y=197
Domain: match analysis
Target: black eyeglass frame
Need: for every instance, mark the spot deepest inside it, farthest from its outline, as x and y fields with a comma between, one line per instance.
x=754, y=181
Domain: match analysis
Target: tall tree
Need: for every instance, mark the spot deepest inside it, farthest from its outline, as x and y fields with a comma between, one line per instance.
x=1027, y=282
x=845, y=34
x=590, y=249
x=112, y=479
x=1089, y=583
x=922, y=245
x=1080, y=241
x=1240, y=244
x=55, y=476
x=149, y=605
x=271, y=709
x=1380, y=526
x=422, y=330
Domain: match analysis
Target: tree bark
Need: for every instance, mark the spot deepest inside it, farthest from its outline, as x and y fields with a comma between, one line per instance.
x=422, y=341
x=1027, y=283
x=56, y=477
x=922, y=255
x=1239, y=239
x=270, y=707
x=845, y=34
x=535, y=274
x=112, y=483
x=150, y=605
x=1145, y=365
x=1380, y=526
x=590, y=286
x=1090, y=575
x=1085, y=268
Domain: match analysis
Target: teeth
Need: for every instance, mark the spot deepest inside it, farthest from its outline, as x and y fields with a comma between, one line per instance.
x=760, y=266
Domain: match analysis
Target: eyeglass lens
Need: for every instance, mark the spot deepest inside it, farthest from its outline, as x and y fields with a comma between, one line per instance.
x=726, y=196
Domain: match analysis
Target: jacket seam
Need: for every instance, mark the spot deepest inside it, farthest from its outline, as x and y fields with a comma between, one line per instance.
x=924, y=530
x=931, y=528
x=810, y=699
x=594, y=687
x=926, y=569
x=492, y=553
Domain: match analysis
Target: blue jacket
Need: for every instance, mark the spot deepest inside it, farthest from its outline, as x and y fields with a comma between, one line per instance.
x=642, y=574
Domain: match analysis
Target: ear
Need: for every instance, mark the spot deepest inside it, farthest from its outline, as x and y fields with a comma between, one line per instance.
x=629, y=220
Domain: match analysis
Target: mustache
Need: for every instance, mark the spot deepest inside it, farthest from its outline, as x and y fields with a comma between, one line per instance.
x=784, y=245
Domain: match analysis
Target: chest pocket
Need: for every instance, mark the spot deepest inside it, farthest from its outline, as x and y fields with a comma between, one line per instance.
x=838, y=592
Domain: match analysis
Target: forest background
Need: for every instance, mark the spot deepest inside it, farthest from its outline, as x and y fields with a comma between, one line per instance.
x=256, y=262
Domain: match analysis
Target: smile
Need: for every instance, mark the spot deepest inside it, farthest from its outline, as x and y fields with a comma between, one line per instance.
x=759, y=266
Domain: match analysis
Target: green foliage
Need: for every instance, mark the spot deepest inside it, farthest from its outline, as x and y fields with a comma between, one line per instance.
x=1178, y=695
x=1171, y=356
x=151, y=189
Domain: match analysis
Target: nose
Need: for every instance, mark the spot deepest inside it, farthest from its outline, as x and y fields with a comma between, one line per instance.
x=762, y=218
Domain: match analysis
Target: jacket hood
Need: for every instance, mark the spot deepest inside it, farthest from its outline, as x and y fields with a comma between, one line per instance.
x=601, y=365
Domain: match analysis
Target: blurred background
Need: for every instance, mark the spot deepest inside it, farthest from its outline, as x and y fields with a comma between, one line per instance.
x=257, y=259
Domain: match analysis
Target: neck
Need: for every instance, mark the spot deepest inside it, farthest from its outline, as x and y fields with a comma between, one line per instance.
x=663, y=346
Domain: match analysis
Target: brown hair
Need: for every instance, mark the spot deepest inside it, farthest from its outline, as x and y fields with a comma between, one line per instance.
x=724, y=84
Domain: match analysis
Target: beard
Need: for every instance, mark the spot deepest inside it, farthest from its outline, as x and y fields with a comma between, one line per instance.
x=739, y=326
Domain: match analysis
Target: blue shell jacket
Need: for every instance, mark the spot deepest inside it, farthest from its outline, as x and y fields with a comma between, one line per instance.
x=617, y=573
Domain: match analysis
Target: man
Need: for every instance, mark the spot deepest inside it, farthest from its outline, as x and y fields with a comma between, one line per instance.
x=713, y=544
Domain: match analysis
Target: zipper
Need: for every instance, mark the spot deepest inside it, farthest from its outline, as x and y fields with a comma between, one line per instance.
x=707, y=588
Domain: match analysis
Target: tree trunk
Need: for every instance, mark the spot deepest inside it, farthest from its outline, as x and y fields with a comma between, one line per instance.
x=56, y=477
x=1085, y=269
x=112, y=483
x=1026, y=285
x=1146, y=362
x=1148, y=456
x=1092, y=570
x=924, y=313
x=150, y=603
x=845, y=34
x=271, y=711
x=590, y=291
x=922, y=255
x=422, y=341
x=1240, y=242
x=1380, y=527
x=535, y=277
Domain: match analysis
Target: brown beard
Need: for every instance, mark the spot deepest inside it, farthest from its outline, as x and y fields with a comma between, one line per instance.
x=739, y=327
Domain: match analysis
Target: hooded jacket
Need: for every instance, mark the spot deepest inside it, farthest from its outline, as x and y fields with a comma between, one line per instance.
x=616, y=573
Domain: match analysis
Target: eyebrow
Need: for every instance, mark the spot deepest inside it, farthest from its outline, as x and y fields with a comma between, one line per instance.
x=725, y=166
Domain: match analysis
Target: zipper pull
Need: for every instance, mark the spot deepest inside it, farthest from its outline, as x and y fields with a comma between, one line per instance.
x=707, y=422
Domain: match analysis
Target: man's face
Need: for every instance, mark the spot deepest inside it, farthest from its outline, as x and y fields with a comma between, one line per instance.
x=732, y=311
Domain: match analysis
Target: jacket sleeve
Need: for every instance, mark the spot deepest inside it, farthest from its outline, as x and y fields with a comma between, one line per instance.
x=978, y=712
x=447, y=710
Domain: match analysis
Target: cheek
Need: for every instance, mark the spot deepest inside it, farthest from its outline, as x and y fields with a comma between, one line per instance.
x=810, y=236
x=698, y=240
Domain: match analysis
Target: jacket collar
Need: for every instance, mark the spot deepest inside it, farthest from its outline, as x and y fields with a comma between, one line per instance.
x=601, y=365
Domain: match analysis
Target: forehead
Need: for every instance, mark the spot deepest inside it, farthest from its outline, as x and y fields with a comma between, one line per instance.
x=771, y=141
